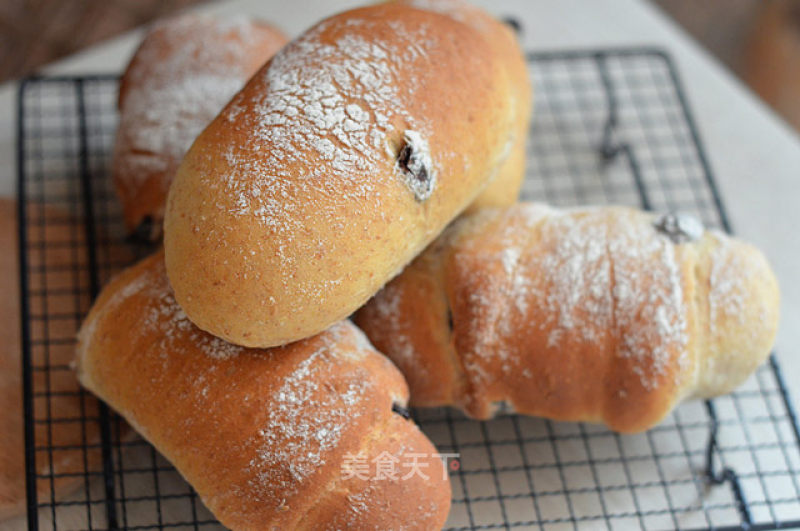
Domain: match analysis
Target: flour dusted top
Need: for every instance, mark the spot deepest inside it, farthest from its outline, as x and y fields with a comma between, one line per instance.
x=335, y=165
x=263, y=435
x=305, y=419
x=579, y=277
x=311, y=137
x=275, y=417
x=326, y=115
x=595, y=314
x=165, y=318
x=185, y=71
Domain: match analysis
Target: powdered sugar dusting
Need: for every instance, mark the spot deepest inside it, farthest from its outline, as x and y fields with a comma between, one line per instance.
x=325, y=116
x=167, y=124
x=729, y=276
x=593, y=271
x=182, y=79
x=273, y=430
x=724, y=297
x=651, y=314
x=387, y=309
x=306, y=420
x=312, y=143
x=174, y=327
x=579, y=273
x=510, y=258
x=164, y=315
x=458, y=10
x=496, y=289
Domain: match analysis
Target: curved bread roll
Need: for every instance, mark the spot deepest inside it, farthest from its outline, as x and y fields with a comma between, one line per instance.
x=264, y=436
x=334, y=166
x=186, y=69
x=605, y=314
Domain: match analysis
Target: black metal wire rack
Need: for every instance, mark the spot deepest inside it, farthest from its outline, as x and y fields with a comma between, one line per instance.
x=611, y=126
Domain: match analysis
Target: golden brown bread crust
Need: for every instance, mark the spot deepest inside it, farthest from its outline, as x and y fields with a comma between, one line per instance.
x=185, y=70
x=503, y=187
x=382, y=124
x=589, y=314
x=262, y=435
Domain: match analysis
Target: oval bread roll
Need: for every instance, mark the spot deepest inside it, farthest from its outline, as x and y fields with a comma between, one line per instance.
x=334, y=166
x=601, y=314
x=269, y=439
x=185, y=70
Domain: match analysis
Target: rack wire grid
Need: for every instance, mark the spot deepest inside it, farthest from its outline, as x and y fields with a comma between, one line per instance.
x=611, y=126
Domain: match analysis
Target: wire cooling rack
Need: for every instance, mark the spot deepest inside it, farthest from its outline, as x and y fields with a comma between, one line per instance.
x=611, y=126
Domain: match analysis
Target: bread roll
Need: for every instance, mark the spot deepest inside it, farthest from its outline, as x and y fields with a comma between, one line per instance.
x=334, y=166
x=186, y=69
x=264, y=436
x=602, y=314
